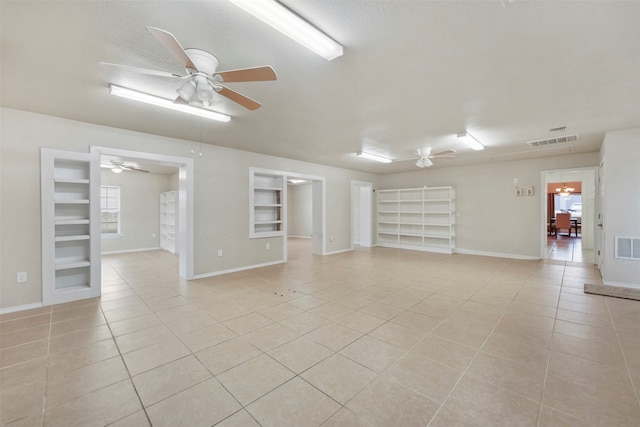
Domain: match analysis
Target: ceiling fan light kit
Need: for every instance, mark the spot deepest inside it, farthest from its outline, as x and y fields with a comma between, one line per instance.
x=293, y=26
x=204, y=84
x=166, y=103
x=470, y=141
x=375, y=157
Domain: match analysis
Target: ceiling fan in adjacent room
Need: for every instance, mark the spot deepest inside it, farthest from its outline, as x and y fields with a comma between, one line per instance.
x=202, y=82
x=119, y=166
x=425, y=156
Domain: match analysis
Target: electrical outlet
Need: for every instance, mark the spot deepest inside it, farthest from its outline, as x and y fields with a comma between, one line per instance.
x=219, y=252
x=21, y=277
x=331, y=239
x=153, y=235
x=268, y=246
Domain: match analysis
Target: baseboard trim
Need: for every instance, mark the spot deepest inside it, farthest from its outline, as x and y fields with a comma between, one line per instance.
x=235, y=270
x=496, y=254
x=126, y=251
x=611, y=290
x=339, y=252
x=20, y=308
x=299, y=237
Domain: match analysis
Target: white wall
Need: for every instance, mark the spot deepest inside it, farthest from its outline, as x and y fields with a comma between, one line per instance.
x=221, y=195
x=139, y=210
x=299, y=210
x=490, y=220
x=621, y=214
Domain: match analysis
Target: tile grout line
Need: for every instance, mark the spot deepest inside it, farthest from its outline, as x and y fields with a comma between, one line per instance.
x=121, y=356
x=546, y=370
x=624, y=358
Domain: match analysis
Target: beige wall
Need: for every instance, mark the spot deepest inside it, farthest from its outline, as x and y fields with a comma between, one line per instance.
x=221, y=195
x=621, y=215
x=140, y=210
x=490, y=220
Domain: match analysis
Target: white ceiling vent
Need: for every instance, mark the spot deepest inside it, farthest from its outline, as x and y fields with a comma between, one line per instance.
x=553, y=141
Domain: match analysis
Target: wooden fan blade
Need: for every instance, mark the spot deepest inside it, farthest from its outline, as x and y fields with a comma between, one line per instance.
x=129, y=69
x=170, y=43
x=446, y=153
x=255, y=74
x=247, y=103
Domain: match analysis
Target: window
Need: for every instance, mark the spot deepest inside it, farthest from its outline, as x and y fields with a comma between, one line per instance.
x=110, y=210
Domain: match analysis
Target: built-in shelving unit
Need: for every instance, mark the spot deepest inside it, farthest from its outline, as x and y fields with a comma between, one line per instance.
x=169, y=221
x=417, y=218
x=267, y=196
x=70, y=227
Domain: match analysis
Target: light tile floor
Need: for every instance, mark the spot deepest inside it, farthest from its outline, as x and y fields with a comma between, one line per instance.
x=567, y=248
x=373, y=337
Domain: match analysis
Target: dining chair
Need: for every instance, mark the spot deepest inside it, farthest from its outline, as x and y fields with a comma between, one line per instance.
x=563, y=220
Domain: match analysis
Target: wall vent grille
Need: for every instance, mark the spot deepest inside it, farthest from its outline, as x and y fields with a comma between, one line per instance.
x=553, y=141
x=628, y=248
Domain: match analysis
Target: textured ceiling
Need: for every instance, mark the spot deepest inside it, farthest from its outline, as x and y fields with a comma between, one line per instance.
x=413, y=74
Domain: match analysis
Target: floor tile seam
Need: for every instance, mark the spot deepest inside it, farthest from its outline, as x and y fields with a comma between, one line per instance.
x=594, y=387
x=126, y=367
x=29, y=342
x=546, y=374
x=635, y=386
x=173, y=393
x=464, y=372
x=260, y=353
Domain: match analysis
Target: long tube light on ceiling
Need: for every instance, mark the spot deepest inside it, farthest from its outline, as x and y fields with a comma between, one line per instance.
x=290, y=24
x=375, y=157
x=166, y=103
x=470, y=141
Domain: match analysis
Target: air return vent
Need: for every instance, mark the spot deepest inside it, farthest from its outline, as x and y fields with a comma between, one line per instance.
x=628, y=248
x=553, y=141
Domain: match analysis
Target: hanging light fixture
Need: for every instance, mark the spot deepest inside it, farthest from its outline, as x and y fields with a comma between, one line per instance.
x=565, y=191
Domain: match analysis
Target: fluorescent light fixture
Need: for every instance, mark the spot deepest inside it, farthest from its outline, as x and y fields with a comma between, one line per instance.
x=166, y=103
x=296, y=181
x=373, y=157
x=470, y=141
x=291, y=25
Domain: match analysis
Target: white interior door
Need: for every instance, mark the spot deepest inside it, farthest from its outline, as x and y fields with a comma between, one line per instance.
x=365, y=216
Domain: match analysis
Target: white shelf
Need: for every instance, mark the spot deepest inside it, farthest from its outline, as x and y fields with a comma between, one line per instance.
x=419, y=219
x=267, y=196
x=70, y=196
x=62, y=221
x=72, y=238
x=71, y=201
x=71, y=181
x=67, y=264
x=168, y=221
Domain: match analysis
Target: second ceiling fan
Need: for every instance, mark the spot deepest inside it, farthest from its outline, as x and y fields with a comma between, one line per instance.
x=202, y=80
x=425, y=156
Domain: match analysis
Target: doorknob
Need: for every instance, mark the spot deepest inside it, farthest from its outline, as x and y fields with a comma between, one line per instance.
x=600, y=225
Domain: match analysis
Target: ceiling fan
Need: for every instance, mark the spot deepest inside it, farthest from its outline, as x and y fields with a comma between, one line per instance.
x=203, y=82
x=425, y=156
x=118, y=166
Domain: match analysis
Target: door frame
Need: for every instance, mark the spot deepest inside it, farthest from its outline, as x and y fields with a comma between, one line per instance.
x=547, y=176
x=185, y=199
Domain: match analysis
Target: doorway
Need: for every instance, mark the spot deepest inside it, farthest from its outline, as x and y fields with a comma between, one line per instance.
x=313, y=203
x=569, y=191
x=185, y=198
